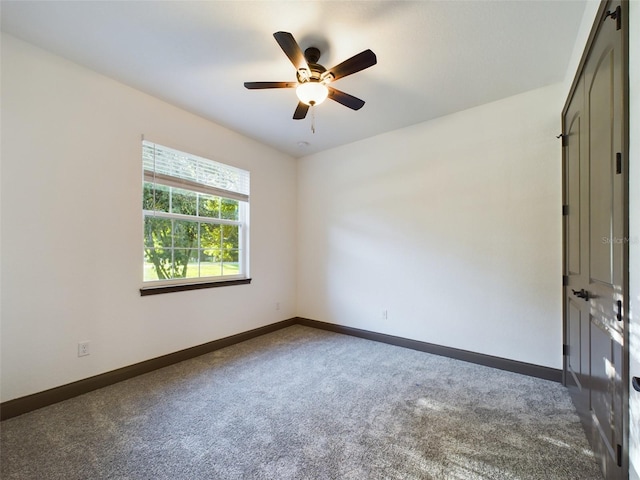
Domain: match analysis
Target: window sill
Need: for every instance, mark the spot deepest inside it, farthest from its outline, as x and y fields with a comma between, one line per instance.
x=144, y=291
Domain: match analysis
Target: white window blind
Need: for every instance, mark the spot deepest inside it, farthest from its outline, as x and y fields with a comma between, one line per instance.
x=166, y=166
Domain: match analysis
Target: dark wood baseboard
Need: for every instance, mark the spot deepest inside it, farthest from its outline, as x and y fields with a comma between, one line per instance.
x=529, y=369
x=18, y=406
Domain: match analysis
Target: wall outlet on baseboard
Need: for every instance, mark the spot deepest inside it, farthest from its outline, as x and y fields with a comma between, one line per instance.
x=83, y=349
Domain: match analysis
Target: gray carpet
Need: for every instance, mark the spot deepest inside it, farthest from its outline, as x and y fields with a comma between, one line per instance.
x=302, y=403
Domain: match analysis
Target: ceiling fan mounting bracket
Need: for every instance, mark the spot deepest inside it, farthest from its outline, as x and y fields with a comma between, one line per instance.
x=312, y=55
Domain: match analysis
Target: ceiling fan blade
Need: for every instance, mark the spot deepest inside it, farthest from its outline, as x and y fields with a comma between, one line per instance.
x=260, y=85
x=291, y=48
x=345, y=99
x=354, y=64
x=301, y=111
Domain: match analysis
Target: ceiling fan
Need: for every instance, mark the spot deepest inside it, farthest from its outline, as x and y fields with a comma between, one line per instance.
x=312, y=86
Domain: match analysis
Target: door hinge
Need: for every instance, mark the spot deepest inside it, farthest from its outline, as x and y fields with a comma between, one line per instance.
x=565, y=350
x=565, y=280
x=615, y=15
x=619, y=448
x=618, y=162
x=565, y=210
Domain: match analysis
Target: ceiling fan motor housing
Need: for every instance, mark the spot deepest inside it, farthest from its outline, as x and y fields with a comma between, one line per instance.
x=314, y=74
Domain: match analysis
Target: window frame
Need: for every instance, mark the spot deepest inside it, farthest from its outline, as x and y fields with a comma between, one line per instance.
x=172, y=183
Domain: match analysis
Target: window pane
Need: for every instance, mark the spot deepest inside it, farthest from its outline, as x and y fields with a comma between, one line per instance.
x=209, y=206
x=230, y=265
x=157, y=232
x=157, y=264
x=185, y=234
x=215, y=255
x=183, y=201
x=185, y=263
x=193, y=268
x=210, y=236
x=210, y=263
x=229, y=209
x=155, y=198
x=230, y=236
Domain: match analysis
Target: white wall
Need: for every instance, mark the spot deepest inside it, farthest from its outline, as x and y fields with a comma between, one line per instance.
x=588, y=16
x=634, y=234
x=452, y=225
x=72, y=229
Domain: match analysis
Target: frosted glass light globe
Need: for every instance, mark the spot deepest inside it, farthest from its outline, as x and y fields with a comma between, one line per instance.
x=312, y=93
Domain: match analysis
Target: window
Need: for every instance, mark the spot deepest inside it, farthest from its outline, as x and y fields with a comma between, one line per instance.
x=195, y=215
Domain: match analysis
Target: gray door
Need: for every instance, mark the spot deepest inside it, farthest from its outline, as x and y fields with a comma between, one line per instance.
x=577, y=362
x=595, y=245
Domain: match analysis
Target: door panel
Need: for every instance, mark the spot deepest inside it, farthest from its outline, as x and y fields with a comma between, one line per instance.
x=602, y=370
x=574, y=333
x=594, y=231
x=601, y=110
x=573, y=197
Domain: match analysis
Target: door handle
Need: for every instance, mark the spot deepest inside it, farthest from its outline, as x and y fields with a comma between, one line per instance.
x=582, y=293
x=636, y=383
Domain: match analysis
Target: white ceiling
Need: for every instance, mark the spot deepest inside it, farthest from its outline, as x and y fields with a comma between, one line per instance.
x=434, y=57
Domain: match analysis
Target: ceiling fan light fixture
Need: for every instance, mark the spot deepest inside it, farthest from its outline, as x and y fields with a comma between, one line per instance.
x=313, y=79
x=312, y=93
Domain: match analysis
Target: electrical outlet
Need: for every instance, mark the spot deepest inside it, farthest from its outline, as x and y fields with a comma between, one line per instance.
x=277, y=305
x=385, y=314
x=83, y=349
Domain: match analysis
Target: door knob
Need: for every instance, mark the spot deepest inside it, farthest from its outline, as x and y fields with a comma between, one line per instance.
x=636, y=383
